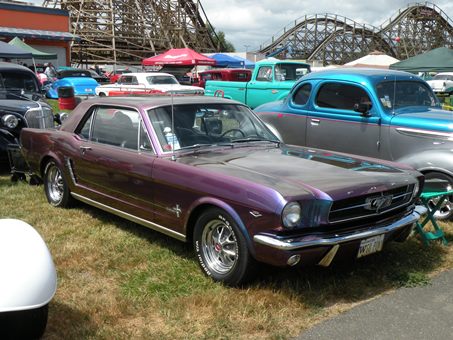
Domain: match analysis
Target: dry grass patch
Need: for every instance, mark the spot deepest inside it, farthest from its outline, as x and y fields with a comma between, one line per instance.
x=118, y=280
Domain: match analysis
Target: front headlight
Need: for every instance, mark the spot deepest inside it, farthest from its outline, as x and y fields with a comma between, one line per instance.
x=291, y=215
x=416, y=189
x=10, y=121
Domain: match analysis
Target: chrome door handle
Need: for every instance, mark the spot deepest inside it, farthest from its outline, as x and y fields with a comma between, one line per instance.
x=315, y=121
x=84, y=149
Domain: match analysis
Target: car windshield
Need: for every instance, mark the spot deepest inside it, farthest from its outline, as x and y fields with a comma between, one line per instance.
x=396, y=95
x=18, y=81
x=197, y=125
x=443, y=77
x=161, y=80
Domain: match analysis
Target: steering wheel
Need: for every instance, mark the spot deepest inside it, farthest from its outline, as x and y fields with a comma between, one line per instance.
x=233, y=130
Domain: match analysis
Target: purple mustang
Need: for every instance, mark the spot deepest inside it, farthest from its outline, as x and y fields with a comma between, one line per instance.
x=208, y=171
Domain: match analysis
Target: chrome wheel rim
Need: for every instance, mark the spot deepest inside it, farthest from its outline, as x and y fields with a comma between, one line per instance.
x=55, y=186
x=445, y=209
x=219, y=246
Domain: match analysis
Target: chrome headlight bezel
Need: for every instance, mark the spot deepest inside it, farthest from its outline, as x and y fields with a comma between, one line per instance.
x=10, y=121
x=291, y=215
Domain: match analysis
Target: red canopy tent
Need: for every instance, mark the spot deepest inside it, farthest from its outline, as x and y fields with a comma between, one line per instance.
x=180, y=57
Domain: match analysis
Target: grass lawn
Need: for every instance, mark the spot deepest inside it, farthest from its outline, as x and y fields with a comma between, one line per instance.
x=118, y=280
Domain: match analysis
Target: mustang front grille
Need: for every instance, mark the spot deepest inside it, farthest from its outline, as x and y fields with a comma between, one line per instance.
x=370, y=205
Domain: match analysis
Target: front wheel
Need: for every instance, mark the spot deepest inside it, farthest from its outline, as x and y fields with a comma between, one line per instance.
x=221, y=248
x=55, y=186
x=445, y=212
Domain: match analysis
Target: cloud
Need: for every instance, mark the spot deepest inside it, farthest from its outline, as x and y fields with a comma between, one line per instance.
x=253, y=22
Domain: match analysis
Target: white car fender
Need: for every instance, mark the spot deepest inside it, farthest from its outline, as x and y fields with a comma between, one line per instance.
x=28, y=275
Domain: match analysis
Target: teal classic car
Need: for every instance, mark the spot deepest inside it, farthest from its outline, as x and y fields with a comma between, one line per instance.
x=384, y=114
x=272, y=79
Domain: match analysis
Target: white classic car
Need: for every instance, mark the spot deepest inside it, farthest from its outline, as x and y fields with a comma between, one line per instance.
x=28, y=281
x=147, y=83
x=442, y=83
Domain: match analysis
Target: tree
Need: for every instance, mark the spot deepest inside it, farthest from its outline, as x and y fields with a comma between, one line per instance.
x=227, y=46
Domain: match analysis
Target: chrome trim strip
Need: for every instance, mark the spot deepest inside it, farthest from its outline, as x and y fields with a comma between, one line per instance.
x=290, y=244
x=425, y=133
x=130, y=217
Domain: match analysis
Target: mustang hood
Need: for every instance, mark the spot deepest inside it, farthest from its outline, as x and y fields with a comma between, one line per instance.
x=423, y=118
x=296, y=171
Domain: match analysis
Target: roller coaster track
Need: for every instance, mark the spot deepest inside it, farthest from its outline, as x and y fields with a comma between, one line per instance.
x=334, y=39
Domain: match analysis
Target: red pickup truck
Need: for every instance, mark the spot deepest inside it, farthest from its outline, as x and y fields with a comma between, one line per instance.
x=224, y=74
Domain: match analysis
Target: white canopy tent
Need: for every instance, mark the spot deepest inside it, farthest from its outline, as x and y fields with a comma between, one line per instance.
x=375, y=59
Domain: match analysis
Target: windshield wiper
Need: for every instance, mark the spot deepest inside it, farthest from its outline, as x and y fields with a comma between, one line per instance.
x=195, y=146
x=254, y=139
x=22, y=96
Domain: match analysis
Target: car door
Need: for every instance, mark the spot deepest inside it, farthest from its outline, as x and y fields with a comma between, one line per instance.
x=114, y=161
x=333, y=122
x=262, y=89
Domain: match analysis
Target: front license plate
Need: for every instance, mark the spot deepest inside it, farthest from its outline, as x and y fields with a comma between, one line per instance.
x=371, y=245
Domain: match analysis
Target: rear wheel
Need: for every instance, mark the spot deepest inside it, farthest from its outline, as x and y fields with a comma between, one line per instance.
x=445, y=212
x=55, y=186
x=102, y=94
x=221, y=248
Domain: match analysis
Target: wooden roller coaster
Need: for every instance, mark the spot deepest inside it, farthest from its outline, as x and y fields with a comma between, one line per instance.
x=332, y=39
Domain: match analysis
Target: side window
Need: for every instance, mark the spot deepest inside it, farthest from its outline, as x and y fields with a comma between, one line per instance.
x=302, y=94
x=116, y=126
x=264, y=74
x=85, y=130
x=134, y=81
x=341, y=96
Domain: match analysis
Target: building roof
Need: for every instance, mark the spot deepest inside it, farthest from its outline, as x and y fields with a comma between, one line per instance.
x=37, y=34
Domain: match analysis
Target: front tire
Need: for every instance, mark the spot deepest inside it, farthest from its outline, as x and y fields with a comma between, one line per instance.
x=221, y=248
x=26, y=324
x=446, y=210
x=56, y=187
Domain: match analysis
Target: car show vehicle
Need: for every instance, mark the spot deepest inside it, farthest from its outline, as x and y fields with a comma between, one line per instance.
x=100, y=78
x=206, y=170
x=442, y=83
x=272, y=79
x=224, y=74
x=80, y=80
x=115, y=74
x=21, y=106
x=147, y=83
x=386, y=114
x=28, y=281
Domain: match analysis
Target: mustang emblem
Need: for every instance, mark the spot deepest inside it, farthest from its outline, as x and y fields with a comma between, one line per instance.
x=378, y=203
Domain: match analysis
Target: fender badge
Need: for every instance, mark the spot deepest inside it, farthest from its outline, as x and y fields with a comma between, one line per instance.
x=255, y=213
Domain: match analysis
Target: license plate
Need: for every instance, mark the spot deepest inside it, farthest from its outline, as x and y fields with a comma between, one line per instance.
x=370, y=245
x=88, y=90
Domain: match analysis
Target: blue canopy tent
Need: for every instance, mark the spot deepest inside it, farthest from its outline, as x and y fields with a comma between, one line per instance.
x=247, y=63
x=225, y=60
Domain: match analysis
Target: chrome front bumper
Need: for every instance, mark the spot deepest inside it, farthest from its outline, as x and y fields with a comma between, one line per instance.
x=310, y=240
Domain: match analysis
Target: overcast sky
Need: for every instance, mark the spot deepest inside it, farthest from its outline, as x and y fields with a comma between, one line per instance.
x=250, y=23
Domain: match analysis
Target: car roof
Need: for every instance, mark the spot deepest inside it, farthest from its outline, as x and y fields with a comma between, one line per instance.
x=5, y=66
x=278, y=61
x=360, y=75
x=147, y=102
x=147, y=74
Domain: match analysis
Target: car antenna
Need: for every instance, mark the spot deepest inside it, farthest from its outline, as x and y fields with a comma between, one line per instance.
x=173, y=156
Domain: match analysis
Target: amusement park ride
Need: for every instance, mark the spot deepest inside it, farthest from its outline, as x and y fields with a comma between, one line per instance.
x=126, y=31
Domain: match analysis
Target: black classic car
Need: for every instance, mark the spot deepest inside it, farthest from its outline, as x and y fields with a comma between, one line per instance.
x=20, y=106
